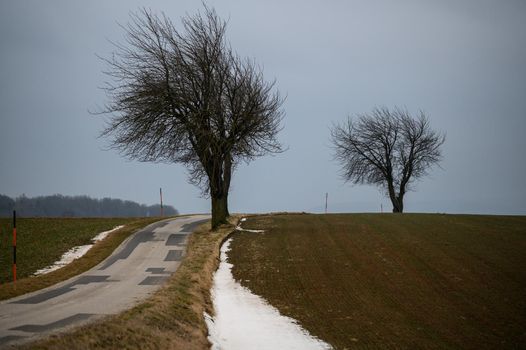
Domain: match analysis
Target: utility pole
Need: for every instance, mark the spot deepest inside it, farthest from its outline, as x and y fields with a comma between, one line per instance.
x=161, y=194
x=326, y=200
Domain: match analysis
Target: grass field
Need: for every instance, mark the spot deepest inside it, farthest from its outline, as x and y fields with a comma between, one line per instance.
x=42, y=241
x=386, y=281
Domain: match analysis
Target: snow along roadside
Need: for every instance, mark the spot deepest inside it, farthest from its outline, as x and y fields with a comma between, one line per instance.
x=244, y=320
x=75, y=252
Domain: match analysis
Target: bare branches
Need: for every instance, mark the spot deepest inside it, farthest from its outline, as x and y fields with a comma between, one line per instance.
x=179, y=93
x=185, y=96
x=387, y=148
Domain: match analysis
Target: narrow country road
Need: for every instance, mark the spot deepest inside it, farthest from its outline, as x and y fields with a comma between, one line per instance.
x=134, y=270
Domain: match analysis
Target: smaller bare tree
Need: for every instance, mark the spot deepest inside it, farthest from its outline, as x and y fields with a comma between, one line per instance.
x=387, y=148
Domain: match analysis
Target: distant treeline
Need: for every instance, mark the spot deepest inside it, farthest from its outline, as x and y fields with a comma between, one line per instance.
x=78, y=206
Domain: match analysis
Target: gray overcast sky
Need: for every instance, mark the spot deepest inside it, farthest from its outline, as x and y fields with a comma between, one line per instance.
x=462, y=62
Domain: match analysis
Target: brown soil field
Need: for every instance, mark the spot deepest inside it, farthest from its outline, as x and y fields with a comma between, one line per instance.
x=392, y=281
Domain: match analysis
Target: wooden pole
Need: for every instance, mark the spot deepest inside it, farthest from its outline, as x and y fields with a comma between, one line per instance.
x=326, y=200
x=161, y=194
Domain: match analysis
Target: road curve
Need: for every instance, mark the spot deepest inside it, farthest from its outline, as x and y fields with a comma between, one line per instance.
x=134, y=270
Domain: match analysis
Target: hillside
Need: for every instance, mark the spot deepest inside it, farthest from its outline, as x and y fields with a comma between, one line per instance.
x=389, y=281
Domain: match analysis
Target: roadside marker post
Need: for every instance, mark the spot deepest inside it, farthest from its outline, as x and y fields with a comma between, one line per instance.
x=14, y=246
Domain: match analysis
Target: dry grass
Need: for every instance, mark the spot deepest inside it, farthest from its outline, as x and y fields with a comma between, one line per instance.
x=171, y=319
x=383, y=281
x=42, y=241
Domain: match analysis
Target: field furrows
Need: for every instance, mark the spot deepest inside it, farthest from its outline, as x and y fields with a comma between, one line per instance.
x=391, y=281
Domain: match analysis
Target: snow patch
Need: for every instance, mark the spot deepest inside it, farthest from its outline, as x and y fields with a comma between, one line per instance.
x=239, y=228
x=246, y=321
x=104, y=234
x=75, y=252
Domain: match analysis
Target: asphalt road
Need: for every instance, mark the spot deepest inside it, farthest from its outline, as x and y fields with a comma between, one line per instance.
x=135, y=269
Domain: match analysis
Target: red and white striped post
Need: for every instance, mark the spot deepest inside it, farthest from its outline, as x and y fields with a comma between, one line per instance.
x=161, y=193
x=14, y=246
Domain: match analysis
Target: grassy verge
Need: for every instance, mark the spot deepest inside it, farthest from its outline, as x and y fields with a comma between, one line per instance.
x=42, y=241
x=171, y=319
x=388, y=281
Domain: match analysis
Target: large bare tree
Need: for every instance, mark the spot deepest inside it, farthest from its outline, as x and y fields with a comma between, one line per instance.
x=387, y=148
x=184, y=96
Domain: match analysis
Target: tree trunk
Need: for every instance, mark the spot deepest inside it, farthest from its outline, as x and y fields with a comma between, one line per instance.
x=219, y=187
x=219, y=210
x=396, y=200
x=398, y=204
x=227, y=176
x=226, y=205
x=396, y=209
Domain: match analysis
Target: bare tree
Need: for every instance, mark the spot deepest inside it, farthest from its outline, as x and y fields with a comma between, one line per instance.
x=387, y=148
x=186, y=97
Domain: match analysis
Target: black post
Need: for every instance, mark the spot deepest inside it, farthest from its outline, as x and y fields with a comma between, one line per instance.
x=14, y=245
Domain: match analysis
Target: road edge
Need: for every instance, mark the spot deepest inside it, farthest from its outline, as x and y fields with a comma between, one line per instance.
x=100, y=251
x=173, y=317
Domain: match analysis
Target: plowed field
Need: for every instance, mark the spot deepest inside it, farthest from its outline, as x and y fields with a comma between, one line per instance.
x=392, y=281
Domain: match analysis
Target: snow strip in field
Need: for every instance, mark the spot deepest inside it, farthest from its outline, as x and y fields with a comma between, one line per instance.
x=75, y=253
x=239, y=228
x=246, y=321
